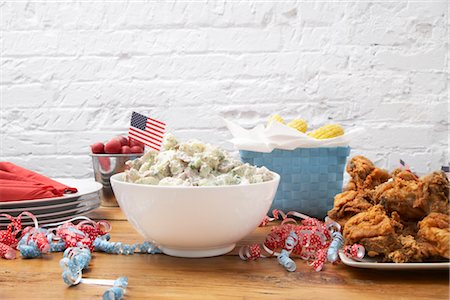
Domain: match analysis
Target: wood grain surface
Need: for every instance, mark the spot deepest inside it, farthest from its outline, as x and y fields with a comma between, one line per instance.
x=224, y=277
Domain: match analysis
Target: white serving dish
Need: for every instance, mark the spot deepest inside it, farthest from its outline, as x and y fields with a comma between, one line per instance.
x=189, y=221
x=368, y=263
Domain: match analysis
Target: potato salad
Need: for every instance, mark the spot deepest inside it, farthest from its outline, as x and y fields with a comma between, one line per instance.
x=192, y=164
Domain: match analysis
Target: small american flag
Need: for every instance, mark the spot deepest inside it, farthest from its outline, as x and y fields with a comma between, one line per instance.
x=146, y=130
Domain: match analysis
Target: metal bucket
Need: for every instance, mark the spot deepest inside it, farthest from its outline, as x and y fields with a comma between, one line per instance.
x=106, y=165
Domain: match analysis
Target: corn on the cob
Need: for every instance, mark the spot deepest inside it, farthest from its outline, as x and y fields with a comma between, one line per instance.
x=298, y=124
x=327, y=132
x=275, y=118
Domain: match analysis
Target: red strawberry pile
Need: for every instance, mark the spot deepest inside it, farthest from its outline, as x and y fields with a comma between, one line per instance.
x=118, y=145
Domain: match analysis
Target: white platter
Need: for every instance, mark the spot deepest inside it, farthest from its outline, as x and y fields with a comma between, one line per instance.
x=367, y=263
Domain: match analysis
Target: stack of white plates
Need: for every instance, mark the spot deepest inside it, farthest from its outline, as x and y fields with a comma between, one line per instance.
x=51, y=210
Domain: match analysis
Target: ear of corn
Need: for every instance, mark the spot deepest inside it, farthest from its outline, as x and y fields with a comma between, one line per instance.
x=327, y=132
x=298, y=124
x=275, y=118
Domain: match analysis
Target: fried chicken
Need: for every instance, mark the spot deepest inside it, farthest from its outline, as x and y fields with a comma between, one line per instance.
x=348, y=204
x=374, y=230
x=383, y=236
x=434, y=232
x=410, y=251
x=364, y=175
x=357, y=196
x=411, y=197
x=434, y=192
x=402, y=219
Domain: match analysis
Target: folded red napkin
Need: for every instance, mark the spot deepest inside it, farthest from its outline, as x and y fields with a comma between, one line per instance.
x=17, y=183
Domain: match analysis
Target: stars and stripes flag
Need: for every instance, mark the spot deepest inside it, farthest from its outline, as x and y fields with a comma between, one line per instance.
x=146, y=130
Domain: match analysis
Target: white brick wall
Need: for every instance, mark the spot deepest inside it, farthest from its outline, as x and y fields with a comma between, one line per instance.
x=72, y=72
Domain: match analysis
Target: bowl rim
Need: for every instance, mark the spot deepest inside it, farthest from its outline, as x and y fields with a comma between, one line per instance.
x=116, y=154
x=115, y=177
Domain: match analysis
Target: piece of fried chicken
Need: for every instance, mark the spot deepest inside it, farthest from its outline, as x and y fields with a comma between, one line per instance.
x=411, y=197
x=374, y=230
x=357, y=195
x=434, y=233
x=348, y=204
x=364, y=175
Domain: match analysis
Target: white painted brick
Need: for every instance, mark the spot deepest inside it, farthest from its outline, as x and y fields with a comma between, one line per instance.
x=428, y=83
x=408, y=112
x=309, y=39
x=400, y=136
x=243, y=40
x=30, y=95
x=72, y=73
x=432, y=59
x=71, y=166
x=48, y=119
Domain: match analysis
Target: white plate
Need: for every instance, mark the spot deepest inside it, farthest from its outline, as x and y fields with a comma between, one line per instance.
x=56, y=207
x=55, y=214
x=51, y=210
x=52, y=218
x=368, y=263
x=84, y=187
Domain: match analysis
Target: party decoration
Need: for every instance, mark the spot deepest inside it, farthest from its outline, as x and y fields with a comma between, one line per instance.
x=308, y=239
x=355, y=251
x=118, y=289
x=283, y=258
x=146, y=130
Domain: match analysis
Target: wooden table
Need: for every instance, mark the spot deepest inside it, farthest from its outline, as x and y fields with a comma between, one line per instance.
x=224, y=277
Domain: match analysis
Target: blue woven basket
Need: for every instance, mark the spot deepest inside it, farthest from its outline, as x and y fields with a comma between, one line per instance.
x=310, y=177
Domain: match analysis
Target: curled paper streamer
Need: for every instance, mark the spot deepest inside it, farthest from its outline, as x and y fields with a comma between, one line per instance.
x=336, y=244
x=31, y=241
x=103, y=245
x=355, y=251
x=118, y=289
x=7, y=251
x=283, y=258
x=286, y=261
x=75, y=260
x=313, y=239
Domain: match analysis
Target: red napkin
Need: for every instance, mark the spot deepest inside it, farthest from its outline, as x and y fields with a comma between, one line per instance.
x=17, y=183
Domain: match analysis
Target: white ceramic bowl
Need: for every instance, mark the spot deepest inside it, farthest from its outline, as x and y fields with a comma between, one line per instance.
x=195, y=221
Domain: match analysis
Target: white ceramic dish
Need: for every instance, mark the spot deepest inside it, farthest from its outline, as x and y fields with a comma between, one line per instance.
x=89, y=199
x=195, y=221
x=56, y=209
x=368, y=263
x=84, y=187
